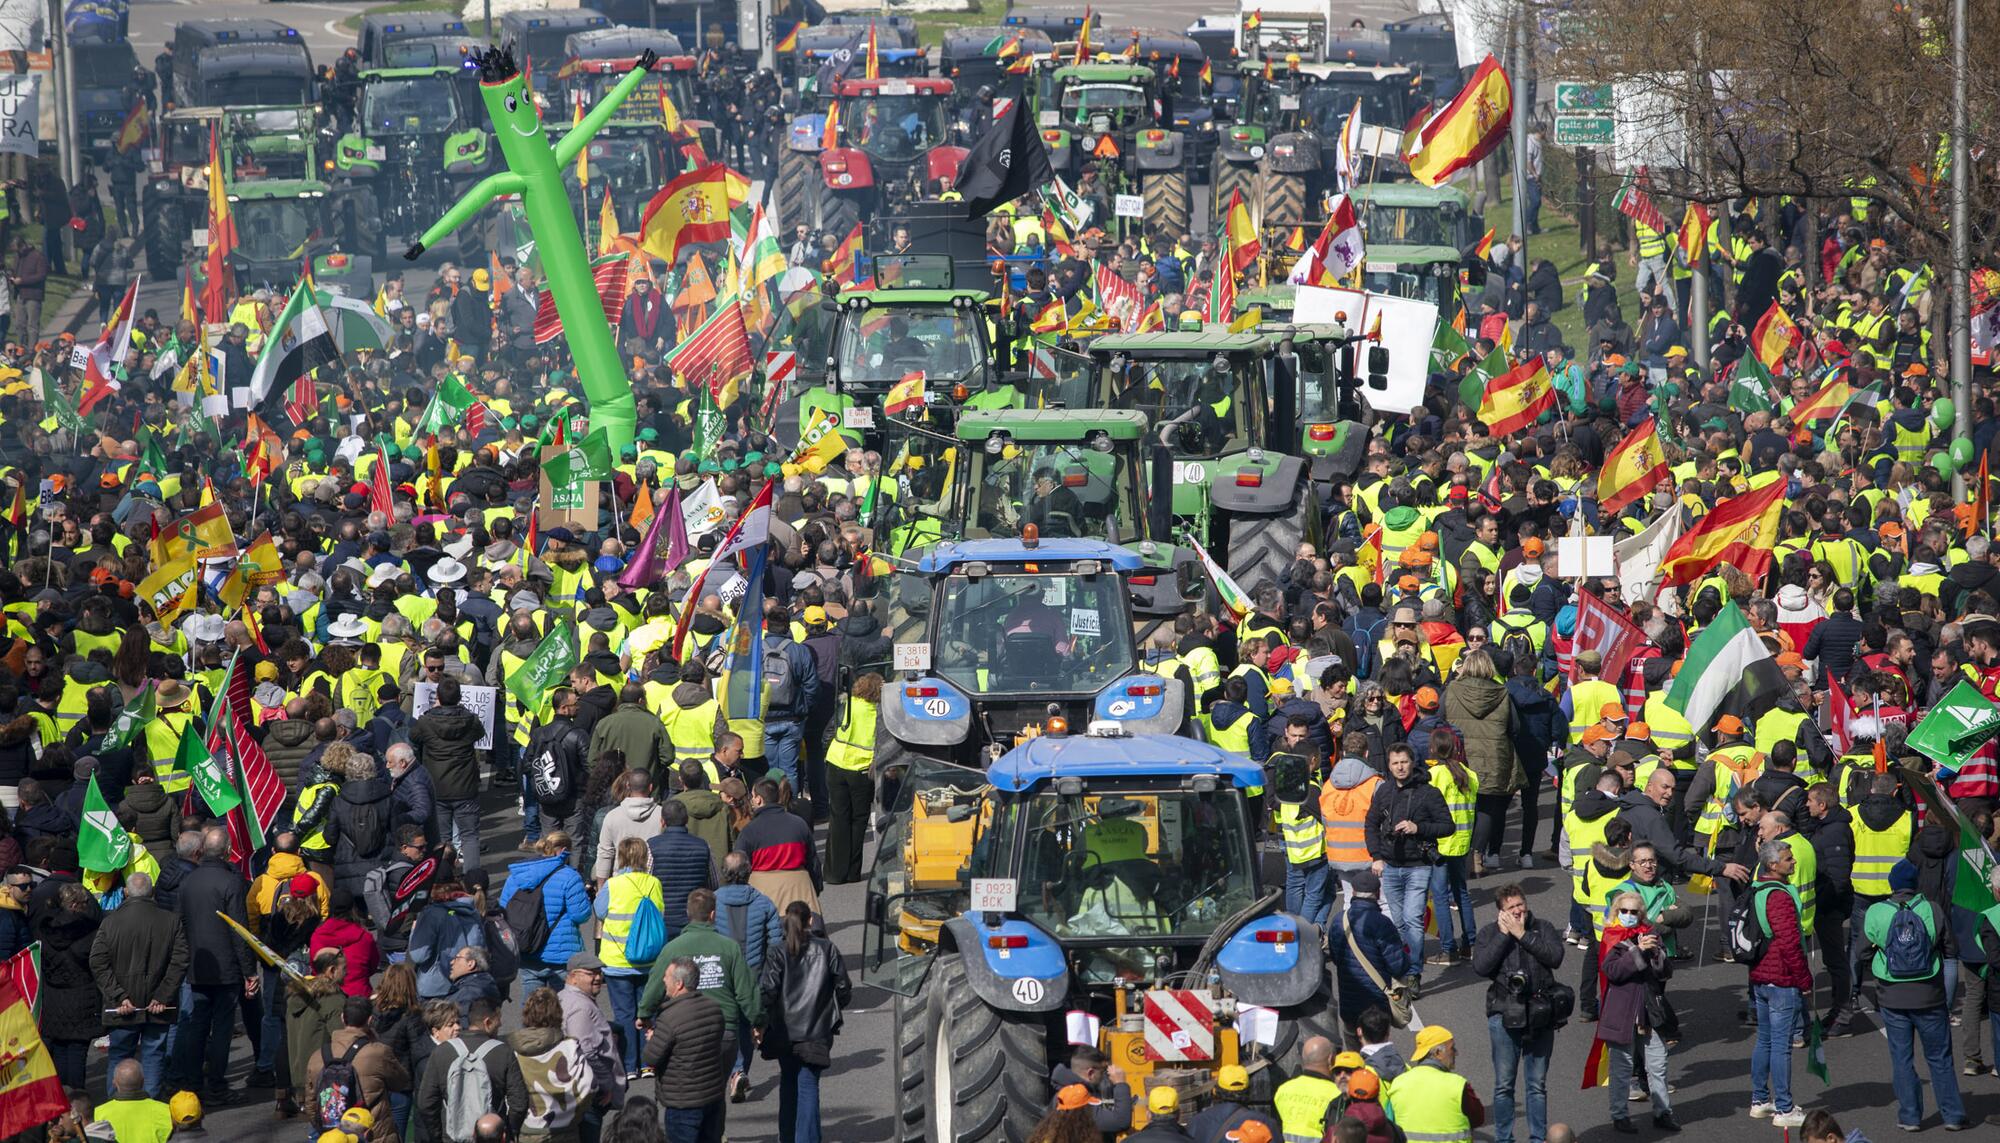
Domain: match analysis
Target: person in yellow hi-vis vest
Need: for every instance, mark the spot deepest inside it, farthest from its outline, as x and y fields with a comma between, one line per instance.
x=1431, y=1102
x=850, y=785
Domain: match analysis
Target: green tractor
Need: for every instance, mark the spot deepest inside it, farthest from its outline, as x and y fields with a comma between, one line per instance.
x=270, y=156
x=1283, y=152
x=1418, y=237
x=1107, y=116
x=881, y=336
x=412, y=149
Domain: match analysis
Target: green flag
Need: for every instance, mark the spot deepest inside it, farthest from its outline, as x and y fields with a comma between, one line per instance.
x=102, y=845
x=1448, y=346
x=709, y=425
x=447, y=408
x=206, y=773
x=61, y=407
x=1816, y=1050
x=1472, y=388
x=136, y=715
x=586, y=461
x=546, y=665
x=1959, y=724
x=1751, y=387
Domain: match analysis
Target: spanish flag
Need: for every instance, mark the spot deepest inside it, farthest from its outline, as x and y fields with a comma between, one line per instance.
x=1239, y=234
x=1632, y=469
x=30, y=1092
x=1517, y=398
x=1823, y=405
x=1150, y=319
x=1740, y=531
x=1083, y=38
x=845, y=264
x=1053, y=318
x=1208, y=73
x=1483, y=247
x=1254, y=20
x=789, y=42
x=607, y=225
x=1694, y=231
x=1774, y=337
x=1469, y=129
x=1596, y=1066
x=692, y=209
x=871, y=67
x=136, y=128
x=905, y=394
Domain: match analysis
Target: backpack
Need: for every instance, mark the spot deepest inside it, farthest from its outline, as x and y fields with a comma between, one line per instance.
x=551, y=779
x=503, y=950
x=1750, y=924
x=1516, y=643
x=468, y=1089
x=778, y=677
x=339, y=1086
x=367, y=831
x=647, y=934
x=526, y=922
x=1909, y=953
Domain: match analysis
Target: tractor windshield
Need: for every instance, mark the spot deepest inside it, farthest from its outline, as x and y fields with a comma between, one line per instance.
x=629, y=163
x=1115, y=101
x=1388, y=225
x=1192, y=392
x=1148, y=862
x=881, y=346
x=1044, y=632
x=1319, y=396
x=894, y=127
x=271, y=230
x=1428, y=283
x=1066, y=491
x=425, y=105
x=1327, y=105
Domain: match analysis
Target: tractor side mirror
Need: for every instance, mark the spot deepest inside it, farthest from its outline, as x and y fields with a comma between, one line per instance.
x=1378, y=367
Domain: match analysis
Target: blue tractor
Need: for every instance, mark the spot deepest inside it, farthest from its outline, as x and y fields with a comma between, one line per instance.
x=1102, y=887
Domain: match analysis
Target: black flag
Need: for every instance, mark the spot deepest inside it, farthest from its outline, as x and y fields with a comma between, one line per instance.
x=1006, y=163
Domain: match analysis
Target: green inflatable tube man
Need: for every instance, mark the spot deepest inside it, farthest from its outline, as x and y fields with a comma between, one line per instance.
x=534, y=171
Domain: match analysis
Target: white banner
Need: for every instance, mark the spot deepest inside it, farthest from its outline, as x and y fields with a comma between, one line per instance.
x=20, y=109
x=482, y=701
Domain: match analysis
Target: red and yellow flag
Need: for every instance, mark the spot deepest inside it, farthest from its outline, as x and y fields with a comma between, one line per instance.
x=1083, y=38
x=871, y=67
x=1053, y=318
x=845, y=265
x=30, y=1092
x=1239, y=235
x=1740, y=531
x=1825, y=404
x=1774, y=337
x=691, y=209
x=789, y=42
x=1469, y=129
x=136, y=128
x=1694, y=231
x=1596, y=1066
x=1485, y=244
x=905, y=395
x=1632, y=469
x=1517, y=398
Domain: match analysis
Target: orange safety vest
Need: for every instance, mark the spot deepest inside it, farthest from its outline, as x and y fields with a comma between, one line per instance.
x=1345, y=812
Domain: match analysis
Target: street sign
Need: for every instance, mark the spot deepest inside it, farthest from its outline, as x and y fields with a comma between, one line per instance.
x=1585, y=130
x=1584, y=98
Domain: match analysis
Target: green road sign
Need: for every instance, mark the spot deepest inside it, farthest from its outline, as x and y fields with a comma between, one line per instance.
x=1593, y=98
x=1585, y=130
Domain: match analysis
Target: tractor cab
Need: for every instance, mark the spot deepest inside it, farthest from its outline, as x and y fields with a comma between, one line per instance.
x=885, y=335
x=1417, y=239
x=887, y=141
x=1333, y=419
x=1109, y=117
x=1100, y=888
x=993, y=56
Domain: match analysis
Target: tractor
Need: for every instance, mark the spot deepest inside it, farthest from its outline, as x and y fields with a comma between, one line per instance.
x=1283, y=153
x=1418, y=238
x=409, y=154
x=1101, y=888
x=1111, y=117
x=885, y=142
x=881, y=336
x=270, y=159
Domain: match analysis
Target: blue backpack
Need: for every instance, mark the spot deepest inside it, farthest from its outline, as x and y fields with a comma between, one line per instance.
x=647, y=935
x=1909, y=953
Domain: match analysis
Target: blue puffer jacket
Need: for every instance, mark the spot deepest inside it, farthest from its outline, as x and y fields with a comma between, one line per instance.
x=1376, y=936
x=443, y=928
x=564, y=903
x=762, y=926
x=683, y=863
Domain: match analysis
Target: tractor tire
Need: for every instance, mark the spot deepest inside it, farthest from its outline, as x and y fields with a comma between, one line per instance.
x=1297, y=1024
x=985, y=1072
x=1281, y=198
x=798, y=174
x=912, y=1040
x=163, y=250
x=1261, y=547
x=1225, y=177
x=1167, y=200
x=837, y=213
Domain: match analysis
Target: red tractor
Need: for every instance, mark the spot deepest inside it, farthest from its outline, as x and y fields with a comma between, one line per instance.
x=888, y=141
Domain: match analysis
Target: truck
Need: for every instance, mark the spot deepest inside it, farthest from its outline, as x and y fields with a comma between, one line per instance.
x=413, y=40
x=539, y=35
x=241, y=63
x=1104, y=888
x=102, y=72
x=411, y=151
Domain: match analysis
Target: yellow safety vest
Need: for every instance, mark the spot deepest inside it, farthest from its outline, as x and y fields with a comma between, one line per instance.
x=163, y=737
x=1589, y=697
x=1652, y=244
x=1428, y=1103
x=1876, y=852
x=692, y=729
x=86, y=642
x=1671, y=731
x=1844, y=555
x=1301, y=1104
x=1735, y=767
x=1582, y=835
x=1458, y=800
x=517, y=719
x=358, y=692
x=1235, y=737
x=74, y=703
x=1305, y=841
x=308, y=798
x=627, y=890
x=853, y=745
x=1909, y=443
x=1805, y=871
x=1397, y=540
x=1204, y=669
x=1777, y=725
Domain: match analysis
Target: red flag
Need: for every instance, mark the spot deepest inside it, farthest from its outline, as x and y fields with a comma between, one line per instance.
x=381, y=496
x=611, y=275
x=1609, y=633
x=1840, y=715
x=244, y=763
x=534, y=529
x=1981, y=500
x=24, y=968
x=304, y=401
x=1596, y=1066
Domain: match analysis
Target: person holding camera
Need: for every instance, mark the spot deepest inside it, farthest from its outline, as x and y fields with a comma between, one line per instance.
x=1520, y=953
x=1633, y=1013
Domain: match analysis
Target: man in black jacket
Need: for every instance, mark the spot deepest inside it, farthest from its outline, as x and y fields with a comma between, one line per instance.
x=555, y=763
x=444, y=738
x=1519, y=952
x=219, y=968
x=682, y=862
x=1646, y=813
x=1830, y=828
x=139, y=956
x=1406, y=819
x=503, y=1071
x=687, y=1053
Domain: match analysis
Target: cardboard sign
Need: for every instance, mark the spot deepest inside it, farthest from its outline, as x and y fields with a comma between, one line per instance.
x=573, y=506
x=1585, y=556
x=482, y=701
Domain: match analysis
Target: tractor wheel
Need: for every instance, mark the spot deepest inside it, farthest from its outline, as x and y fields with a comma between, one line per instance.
x=912, y=1057
x=797, y=173
x=1297, y=1024
x=163, y=249
x=1261, y=547
x=1166, y=194
x=986, y=1071
x=1225, y=177
x=838, y=212
x=1281, y=198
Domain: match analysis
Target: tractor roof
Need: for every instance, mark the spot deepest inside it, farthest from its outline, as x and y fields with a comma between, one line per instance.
x=1051, y=424
x=1105, y=73
x=1209, y=339
x=258, y=190
x=893, y=85
x=950, y=554
x=893, y=297
x=380, y=73
x=1409, y=194
x=987, y=40
x=1047, y=757
x=1413, y=255
x=412, y=24
x=1303, y=333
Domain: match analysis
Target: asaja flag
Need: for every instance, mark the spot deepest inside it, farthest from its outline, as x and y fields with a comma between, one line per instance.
x=1234, y=600
x=1956, y=727
x=1632, y=469
x=102, y=845
x=1774, y=337
x=130, y=722
x=1750, y=386
x=206, y=778
x=691, y=210
x=821, y=444
x=1724, y=654
x=1741, y=531
x=546, y=665
x=1517, y=398
x=31, y=1094
x=1468, y=129
x=587, y=461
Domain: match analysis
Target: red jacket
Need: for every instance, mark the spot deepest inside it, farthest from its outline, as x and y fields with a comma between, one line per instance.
x=356, y=944
x=1784, y=960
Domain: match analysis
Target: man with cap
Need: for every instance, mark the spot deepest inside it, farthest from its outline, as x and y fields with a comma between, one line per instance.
x=584, y=1022
x=1431, y=1102
x=1228, y=1110
x=1302, y=1102
x=1163, y=1124
x=185, y=1110
x=1103, y=1086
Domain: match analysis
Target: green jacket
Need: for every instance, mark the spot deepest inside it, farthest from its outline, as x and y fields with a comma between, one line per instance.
x=642, y=737
x=725, y=974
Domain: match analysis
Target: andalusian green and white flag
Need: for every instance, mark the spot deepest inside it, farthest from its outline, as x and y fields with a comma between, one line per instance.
x=546, y=665
x=1725, y=656
x=127, y=726
x=1751, y=387
x=1234, y=599
x=447, y=408
x=102, y=845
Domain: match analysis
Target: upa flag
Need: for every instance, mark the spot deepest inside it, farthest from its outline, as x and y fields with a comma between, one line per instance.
x=1239, y=234
x=1234, y=600
x=1740, y=531
x=545, y=666
x=1774, y=337
x=102, y=845
x=1517, y=398
x=1605, y=631
x=821, y=444
x=1468, y=129
x=31, y=1094
x=1750, y=387
x=1631, y=470
x=692, y=209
